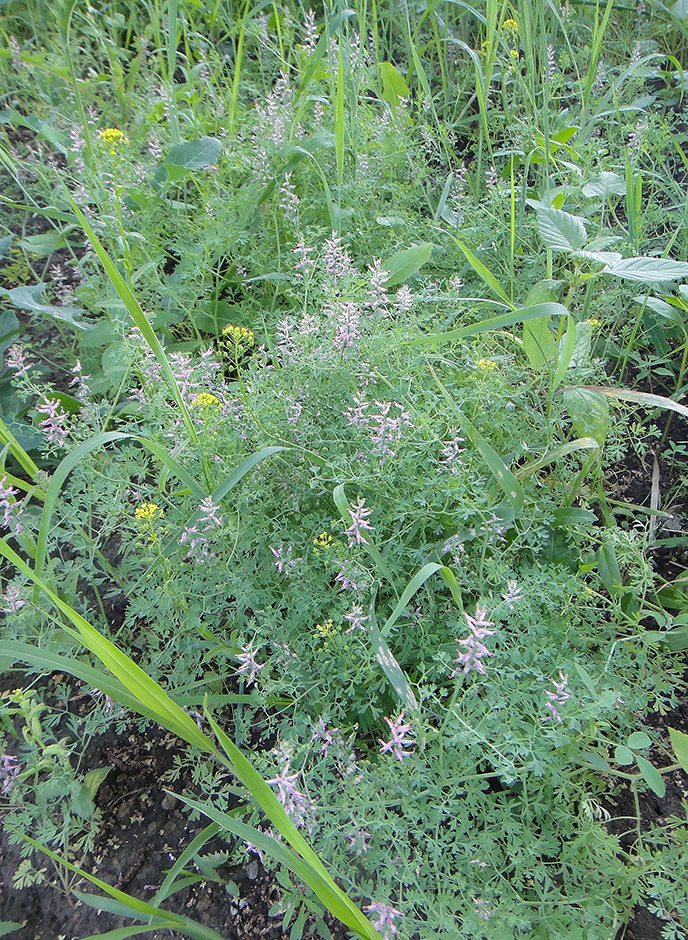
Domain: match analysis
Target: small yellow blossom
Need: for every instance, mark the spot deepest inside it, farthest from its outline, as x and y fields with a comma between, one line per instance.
x=113, y=139
x=238, y=335
x=324, y=540
x=513, y=53
x=325, y=629
x=593, y=321
x=510, y=25
x=205, y=400
x=147, y=512
x=485, y=47
x=487, y=365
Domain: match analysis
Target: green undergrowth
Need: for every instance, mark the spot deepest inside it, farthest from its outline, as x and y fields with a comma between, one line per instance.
x=325, y=334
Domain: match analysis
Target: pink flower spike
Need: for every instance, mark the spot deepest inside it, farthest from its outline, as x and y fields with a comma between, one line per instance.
x=399, y=738
x=359, y=523
x=385, y=915
x=475, y=650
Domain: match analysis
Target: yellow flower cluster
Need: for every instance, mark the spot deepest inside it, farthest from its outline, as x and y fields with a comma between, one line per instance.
x=238, y=335
x=113, y=139
x=487, y=365
x=147, y=512
x=324, y=540
x=593, y=321
x=205, y=400
x=510, y=25
x=325, y=629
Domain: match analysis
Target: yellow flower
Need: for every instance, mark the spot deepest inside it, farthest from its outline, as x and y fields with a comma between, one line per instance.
x=113, y=139
x=324, y=540
x=513, y=53
x=147, y=512
x=592, y=321
x=487, y=365
x=510, y=25
x=205, y=400
x=325, y=629
x=238, y=335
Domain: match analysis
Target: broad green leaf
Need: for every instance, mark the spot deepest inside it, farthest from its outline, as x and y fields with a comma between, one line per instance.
x=7, y=927
x=589, y=412
x=29, y=298
x=623, y=755
x=641, y=398
x=638, y=740
x=559, y=230
x=394, y=86
x=605, y=184
x=403, y=264
x=573, y=516
x=608, y=567
x=679, y=743
x=597, y=761
x=538, y=342
x=5, y=245
x=43, y=245
x=194, y=154
x=94, y=778
x=651, y=776
x=648, y=270
x=598, y=257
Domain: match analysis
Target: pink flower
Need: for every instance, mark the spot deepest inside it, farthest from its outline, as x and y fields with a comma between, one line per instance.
x=284, y=562
x=247, y=658
x=558, y=697
x=53, y=424
x=297, y=805
x=399, y=738
x=475, y=650
x=356, y=618
x=385, y=917
x=359, y=523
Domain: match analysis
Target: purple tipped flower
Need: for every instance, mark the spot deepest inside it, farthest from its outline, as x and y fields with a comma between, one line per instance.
x=474, y=649
x=399, y=739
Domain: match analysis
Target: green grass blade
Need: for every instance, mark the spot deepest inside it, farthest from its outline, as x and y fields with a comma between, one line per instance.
x=14, y=651
x=144, y=689
x=519, y=315
x=504, y=477
x=342, y=505
x=292, y=861
x=72, y=459
x=7, y=439
x=139, y=318
x=483, y=272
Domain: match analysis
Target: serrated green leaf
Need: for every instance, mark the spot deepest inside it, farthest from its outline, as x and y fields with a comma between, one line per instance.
x=648, y=270
x=605, y=184
x=559, y=230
